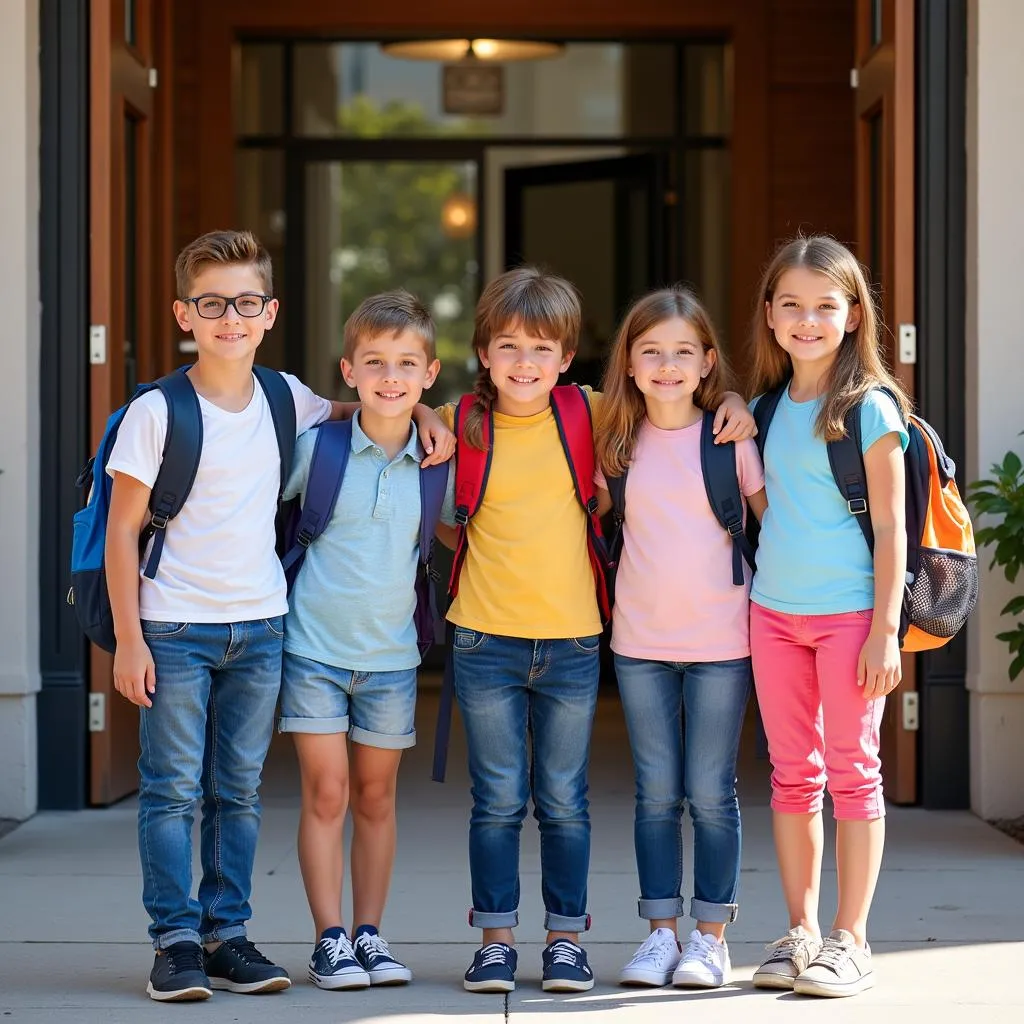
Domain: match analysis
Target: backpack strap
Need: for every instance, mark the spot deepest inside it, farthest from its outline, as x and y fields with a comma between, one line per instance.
x=323, y=485
x=718, y=467
x=571, y=409
x=764, y=412
x=472, y=468
x=847, y=461
x=179, y=463
x=433, y=485
x=282, y=412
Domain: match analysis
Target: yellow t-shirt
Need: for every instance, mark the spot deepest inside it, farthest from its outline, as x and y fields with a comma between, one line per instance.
x=527, y=571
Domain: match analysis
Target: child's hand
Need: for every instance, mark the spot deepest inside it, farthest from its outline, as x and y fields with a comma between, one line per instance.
x=134, y=671
x=733, y=420
x=437, y=440
x=879, y=669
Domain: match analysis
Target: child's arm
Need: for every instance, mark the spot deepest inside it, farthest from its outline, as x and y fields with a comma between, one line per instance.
x=757, y=503
x=134, y=671
x=879, y=668
x=733, y=420
x=447, y=535
x=437, y=440
x=604, y=501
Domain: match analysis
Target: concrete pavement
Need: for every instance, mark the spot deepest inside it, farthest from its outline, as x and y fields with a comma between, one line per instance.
x=947, y=928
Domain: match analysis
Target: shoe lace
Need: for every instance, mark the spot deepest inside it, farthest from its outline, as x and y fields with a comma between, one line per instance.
x=655, y=949
x=374, y=946
x=248, y=952
x=832, y=953
x=189, y=958
x=788, y=945
x=563, y=952
x=492, y=955
x=700, y=949
x=337, y=949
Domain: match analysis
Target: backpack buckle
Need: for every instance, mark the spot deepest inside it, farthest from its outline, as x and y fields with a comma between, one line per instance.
x=857, y=506
x=461, y=515
x=735, y=528
x=159, y=521
x=592, y=505
x=304, y=537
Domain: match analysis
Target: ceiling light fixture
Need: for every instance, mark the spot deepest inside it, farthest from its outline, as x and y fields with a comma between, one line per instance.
x=498, y=50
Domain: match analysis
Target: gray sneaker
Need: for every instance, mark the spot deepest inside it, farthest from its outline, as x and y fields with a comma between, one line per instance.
x=841, y=968
x=788, y=958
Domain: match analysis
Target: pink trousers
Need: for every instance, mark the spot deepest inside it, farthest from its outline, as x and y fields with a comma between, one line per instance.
x=821, y=731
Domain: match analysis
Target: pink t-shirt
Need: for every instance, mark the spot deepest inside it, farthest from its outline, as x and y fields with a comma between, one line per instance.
x=674, y=595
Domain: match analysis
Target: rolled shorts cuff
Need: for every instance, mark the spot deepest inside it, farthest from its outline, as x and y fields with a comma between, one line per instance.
x=232, y=931
x=319, y=726
x=656, y=910
x=500, y=919
x=713, y=913
x=380, y=740
x=561, y=923
x=178, y=935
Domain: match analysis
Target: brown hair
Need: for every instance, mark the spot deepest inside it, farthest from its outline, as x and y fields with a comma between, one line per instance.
x=389, y=313
x=225, y=248
x=858, y=365
x=623, y=409
x=526, y=299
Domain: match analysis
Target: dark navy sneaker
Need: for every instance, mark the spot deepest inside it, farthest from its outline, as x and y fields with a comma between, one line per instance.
x=333, y=964
x=375, y=958
x=566, y=968
x=178, y=974
x=493, y=969
x=238, y=966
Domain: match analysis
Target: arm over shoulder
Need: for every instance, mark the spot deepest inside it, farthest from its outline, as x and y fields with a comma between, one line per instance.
x=310, y=409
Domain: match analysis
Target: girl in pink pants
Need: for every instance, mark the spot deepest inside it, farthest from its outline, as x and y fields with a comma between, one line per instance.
x=824, y=610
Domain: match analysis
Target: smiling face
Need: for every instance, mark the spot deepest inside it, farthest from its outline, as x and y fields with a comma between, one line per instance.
x=668, y=362
x=810, y=316
x=390, y=372
x=524, y=369
x=230, y=337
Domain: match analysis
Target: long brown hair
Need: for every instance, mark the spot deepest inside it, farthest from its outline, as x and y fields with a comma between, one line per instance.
x=623, y=409
x=526, y=299
x=858, y=365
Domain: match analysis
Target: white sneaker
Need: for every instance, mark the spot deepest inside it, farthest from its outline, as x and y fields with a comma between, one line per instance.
x=654, y=961
x=704, y=963
x=841, y=968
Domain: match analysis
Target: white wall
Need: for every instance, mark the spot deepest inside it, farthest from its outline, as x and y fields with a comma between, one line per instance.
x=995, y=343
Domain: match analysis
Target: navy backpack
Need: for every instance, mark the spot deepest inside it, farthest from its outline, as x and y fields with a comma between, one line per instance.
x=303, y=524
x=183, y=446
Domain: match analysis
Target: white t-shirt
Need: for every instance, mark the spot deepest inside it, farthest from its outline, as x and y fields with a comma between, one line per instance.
x=218, y=562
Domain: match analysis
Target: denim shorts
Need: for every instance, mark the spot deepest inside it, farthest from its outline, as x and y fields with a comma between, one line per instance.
x=377, y=709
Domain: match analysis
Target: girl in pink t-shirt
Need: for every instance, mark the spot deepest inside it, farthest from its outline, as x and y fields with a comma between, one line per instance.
x=680, y=631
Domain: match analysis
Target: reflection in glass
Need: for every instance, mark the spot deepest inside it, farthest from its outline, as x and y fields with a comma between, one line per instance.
x=374, y=226
x=876, y=22
x=258, y=89
x=130, y=23
x=706, y=88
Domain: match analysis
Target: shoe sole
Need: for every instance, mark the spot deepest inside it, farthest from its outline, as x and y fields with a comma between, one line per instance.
x=773, y=981
x=692, y=981
x=563, y=985
x=339, y=982
x=489, y=986
x=391, y=976
x=252, y=988
x=192, y=994
x=831, y=990
x=644, y=979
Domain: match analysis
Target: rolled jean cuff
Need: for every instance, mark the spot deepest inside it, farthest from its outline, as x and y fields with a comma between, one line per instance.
x=178, y=935
x=223, y=934
x=500, y=919
x=660, y=910
x=561, y=923
x=713, y=913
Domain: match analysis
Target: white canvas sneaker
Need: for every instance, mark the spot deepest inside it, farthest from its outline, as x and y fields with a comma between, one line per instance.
x=654, y=961
x=841, y=968
x=704, y=963
x=787, y=958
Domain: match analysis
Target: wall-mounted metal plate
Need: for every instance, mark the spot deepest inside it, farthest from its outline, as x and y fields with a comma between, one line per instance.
x=97, y=344
x=908, y=344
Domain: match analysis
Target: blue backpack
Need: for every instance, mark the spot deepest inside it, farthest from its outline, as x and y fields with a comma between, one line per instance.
x=183, y=446
x=303, y=524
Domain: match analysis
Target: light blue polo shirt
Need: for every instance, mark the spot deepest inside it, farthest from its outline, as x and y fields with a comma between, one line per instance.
x=811, y=558
x=353, y=602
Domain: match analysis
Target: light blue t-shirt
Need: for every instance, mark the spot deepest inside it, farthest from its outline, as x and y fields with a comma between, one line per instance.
x=353, y=602
x=811, y=558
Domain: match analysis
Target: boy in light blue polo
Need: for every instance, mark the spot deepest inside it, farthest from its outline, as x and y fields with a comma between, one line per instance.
x=350, y=651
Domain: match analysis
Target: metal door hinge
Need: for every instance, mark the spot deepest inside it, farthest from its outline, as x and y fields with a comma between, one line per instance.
x=854, y=78
x=907, y=336
x=97, y=712
x=152, y=78
x=97, y=344
x=911, y=719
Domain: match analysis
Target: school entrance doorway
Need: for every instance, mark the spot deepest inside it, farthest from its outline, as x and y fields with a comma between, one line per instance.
x=642, y=144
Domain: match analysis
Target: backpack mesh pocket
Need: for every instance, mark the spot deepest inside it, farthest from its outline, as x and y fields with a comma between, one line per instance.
x=943, y=592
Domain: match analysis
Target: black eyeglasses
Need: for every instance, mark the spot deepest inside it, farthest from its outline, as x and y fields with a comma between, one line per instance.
x=212, y=307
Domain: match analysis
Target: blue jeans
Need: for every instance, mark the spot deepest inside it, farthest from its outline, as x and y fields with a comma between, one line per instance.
x=205, y=737
x=509, y=689
x=708, y=700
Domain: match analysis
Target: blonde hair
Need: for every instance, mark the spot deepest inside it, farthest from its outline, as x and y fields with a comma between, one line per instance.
x=389, y=313
x=858, y=366
x=225, y=248
x=526, y=299
x=623, y=409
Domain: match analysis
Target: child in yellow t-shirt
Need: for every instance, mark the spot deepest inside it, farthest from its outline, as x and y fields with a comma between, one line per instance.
x=526, y=631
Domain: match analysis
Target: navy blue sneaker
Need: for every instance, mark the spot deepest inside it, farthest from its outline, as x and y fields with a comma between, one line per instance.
x=493, y=969
x=375, y=958
x=236, y=965
x=333, y=964
x=566, y=968
x=178, y=974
